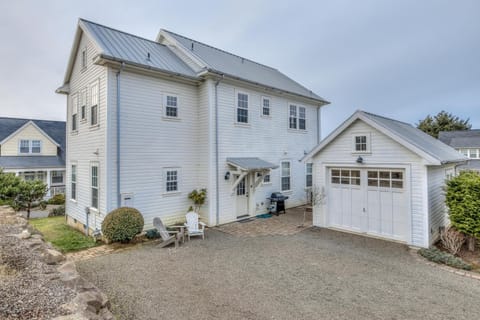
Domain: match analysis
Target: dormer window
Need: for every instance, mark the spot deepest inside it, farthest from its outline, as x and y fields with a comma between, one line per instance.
x=30, y=147
x=361, y=143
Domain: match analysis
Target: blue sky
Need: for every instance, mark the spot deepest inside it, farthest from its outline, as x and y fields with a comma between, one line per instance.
x=403, y=59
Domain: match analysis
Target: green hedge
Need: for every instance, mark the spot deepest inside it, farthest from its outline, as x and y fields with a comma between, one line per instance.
x=122, y=224
x=438, y=256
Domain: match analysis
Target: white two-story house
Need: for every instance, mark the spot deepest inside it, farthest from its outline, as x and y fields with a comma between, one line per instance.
x=149, y=121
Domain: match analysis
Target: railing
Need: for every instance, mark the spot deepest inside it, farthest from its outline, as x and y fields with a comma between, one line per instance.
x=56, y=190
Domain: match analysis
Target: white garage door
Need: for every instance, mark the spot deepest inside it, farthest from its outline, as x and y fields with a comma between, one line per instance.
x=372, y=201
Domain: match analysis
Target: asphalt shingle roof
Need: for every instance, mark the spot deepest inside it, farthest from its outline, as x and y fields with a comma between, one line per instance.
x=25, y=162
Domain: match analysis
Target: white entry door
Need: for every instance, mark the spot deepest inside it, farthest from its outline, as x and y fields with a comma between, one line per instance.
x=372, y=201
x=241, y=201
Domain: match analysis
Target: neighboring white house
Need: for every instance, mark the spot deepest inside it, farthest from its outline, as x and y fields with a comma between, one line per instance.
x=149, y=121
x=34, y=150
x=384, y=178
x=467, y=142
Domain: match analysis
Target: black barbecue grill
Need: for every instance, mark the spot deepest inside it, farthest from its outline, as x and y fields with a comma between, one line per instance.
x=277, y=203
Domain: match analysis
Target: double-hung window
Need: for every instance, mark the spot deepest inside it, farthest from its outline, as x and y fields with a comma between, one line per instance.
x=171, y=106
x=302, y=118
x=94, y=96
x=292, y=120
x=242, y=107
x=94, y=185
x=24, y=146
x=74, y=112
x=308, y=175
x=36, y=146
x=84, y=58
x=83, y=104
x=73, y=190
x=286, y=179
x=171, y=180
x=266, y=106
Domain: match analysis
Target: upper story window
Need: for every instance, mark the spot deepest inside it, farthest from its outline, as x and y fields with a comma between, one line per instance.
x=171, y=106
x=73, y=181
x=30, y=146
x=83, y=104
x=94, y=96
x=297, y=117
x=74, y=112
x=84, y=58
x=242, y=107
x=266, y=106
x=292, y=120
x=472, y=153
x=286, y=179
x=308, y=175
x=361, y=143
x=171, y=180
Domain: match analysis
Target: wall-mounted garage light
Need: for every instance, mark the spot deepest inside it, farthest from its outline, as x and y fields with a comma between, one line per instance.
x=227, y=175
x=359, y=159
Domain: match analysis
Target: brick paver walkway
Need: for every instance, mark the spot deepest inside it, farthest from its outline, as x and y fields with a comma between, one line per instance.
x=284, y=224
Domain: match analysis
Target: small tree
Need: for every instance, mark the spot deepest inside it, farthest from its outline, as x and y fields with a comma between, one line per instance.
x=30, y=192
x=9, y=183
x=463, y=201
x=198, y=197
x=443, y=121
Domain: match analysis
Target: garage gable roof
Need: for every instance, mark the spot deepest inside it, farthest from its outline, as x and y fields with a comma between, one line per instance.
x=432, y=150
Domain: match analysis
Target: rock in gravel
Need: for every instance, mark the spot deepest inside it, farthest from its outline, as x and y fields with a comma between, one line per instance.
x=51, y=256
x=25, y=234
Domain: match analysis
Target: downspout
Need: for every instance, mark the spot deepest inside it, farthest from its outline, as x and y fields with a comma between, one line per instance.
x=119, y=200
x=217, y=176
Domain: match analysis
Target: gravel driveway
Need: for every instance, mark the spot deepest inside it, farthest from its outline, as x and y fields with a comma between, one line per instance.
x=315, y=274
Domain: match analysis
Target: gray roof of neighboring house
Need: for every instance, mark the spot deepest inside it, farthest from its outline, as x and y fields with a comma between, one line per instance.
x=26, y=162
x=245, y=69
x=470, y=165
x=251, y=163
x=55, y=129
x=127, y=47
x=461, y=139
x=418, y=138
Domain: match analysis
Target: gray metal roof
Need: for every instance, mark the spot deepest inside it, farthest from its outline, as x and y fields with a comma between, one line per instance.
x=55, y=129
x=418, y=138
x=130, y=48
x=242, y=68
x=461, y=139
x=31, y=162
x=250, y=164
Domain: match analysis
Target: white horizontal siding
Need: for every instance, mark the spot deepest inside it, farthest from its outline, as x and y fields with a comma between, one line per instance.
x=436, y=200
x=87, y=145
x=384, y=152
x=265, y=137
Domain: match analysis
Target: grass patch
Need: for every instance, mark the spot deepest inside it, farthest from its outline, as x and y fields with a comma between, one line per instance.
x=62, y=236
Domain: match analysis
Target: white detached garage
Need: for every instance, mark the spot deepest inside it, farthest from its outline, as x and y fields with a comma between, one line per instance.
x=384, y=178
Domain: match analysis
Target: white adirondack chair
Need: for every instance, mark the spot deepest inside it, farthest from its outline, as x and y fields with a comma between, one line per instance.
x=194, y=227
x=168, y=237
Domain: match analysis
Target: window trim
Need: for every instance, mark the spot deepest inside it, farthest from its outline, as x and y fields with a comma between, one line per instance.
x=165, y=174
x=296, y=117
x=74, y=113
x=83, y=105
x=289, y=175
x=237, y=93
x=165, y=99
x=368, y=142
x=263, y=98
x=307, y=174
x=40, y=146
x=83, y=59
x=97, y=187
x=30, y=147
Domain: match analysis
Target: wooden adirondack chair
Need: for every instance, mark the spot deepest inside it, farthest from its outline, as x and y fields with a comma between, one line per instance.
x=194, y=227
x=168, y=237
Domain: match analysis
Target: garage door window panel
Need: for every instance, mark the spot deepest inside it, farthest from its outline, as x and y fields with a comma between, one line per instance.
x=345, y=177
x=385, y=179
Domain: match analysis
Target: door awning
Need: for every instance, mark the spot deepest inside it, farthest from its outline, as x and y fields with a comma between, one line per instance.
x=251, y=164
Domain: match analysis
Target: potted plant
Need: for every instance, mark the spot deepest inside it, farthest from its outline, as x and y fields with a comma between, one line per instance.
x=198, y=197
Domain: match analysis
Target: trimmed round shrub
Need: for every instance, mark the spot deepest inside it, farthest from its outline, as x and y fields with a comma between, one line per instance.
x=122, y=224
x=57, y=199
